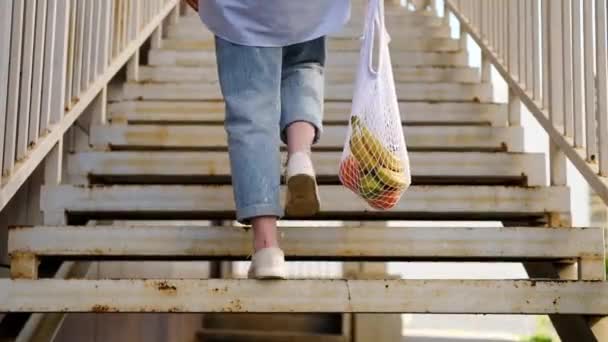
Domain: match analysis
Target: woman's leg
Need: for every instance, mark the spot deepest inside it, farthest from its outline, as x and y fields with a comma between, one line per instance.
x=300, y=136
x=302, y=90
x=302, y=93
x=250, y=80
x=264, y=232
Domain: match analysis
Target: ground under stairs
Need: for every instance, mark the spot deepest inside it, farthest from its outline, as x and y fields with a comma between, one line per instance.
x=162, y=156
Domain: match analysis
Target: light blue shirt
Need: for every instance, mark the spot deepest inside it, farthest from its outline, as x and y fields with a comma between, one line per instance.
x=272, y=23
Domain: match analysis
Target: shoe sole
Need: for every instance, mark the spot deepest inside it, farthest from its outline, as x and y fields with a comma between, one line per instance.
x=302, y=196
x=268, y=274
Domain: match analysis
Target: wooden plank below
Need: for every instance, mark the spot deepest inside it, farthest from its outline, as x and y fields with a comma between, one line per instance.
x=312, y=243
x=427, y=167
x=359, y=296
x=193, y=112
x=189, y=91
x=341, y=59
x=443, y=138
x=237, y=335
x=176, y=74
x=466, y=202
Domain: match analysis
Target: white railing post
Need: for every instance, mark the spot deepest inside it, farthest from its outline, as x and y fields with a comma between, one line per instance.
x=514, y=108
x=590, y=109
x=6, y=15
x=554, y=37
x=60, y=61
x=602, y=86
x=567, y=71
x=578, y=80
x=10, y=135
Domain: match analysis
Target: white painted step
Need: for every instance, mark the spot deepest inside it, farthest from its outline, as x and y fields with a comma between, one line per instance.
x=420, y=202
x=340, y=59
x=366, y=296
x=340, y=92
x=169, y=74
x=422, y=43
x=219, y=335
x=318, y=243
x=192, y=166
x=197, y=31
x=444, y=138
x=196, y=112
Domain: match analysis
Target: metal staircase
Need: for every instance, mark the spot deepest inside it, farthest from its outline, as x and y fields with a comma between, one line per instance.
x=161, y=155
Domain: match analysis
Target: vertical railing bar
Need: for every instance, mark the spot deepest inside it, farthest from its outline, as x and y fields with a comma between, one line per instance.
x=590, y=108
x=39, y=69
x=505, y=32
x=25, y=94
x=567, y=68
x=97, y=34
x=513, y=34
x=521, y=42
x=87, y=44
x=496, y=28
x=125, y=24
x=536, y=41
x=545, y=49
x=131, y=21
x=72, y=40
x=556, y=90
x=578, y=81
x=114, y=28
x=60, y=60
x=105, y=29
x=529, y=48
x=10, y=137
x=602, y=86
x=524, y=43
x=557, y=158
x=492, y=24
x=78, y=52
x=157, y=37
x=481, y=20
x=49, y=70
x=6, y=17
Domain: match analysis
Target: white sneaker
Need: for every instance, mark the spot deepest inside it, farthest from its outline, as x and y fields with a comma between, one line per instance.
x=268, y=263
x=302, y=190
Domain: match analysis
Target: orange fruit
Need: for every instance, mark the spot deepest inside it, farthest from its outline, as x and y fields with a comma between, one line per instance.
x=350, y=173
x=386, y=200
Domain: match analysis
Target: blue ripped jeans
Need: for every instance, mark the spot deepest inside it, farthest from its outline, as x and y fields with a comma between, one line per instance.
x=266, y=89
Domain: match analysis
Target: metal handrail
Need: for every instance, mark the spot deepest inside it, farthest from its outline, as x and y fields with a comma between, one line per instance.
x=553, y=56
x=56, y=57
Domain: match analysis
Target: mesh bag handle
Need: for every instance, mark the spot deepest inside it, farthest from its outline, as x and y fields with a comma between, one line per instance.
x=375, y=25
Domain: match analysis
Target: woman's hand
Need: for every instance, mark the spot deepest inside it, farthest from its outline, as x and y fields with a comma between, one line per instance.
x=193, y=4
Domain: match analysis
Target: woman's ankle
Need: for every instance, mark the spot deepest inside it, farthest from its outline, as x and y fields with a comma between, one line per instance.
x=265, y=233
x=300, y=136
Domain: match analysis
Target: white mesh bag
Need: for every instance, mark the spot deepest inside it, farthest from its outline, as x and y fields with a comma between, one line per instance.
x=375, y=163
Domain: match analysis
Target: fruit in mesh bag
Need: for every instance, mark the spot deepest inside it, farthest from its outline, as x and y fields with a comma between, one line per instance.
x=375, y=159
x=386, y=200
x=350, y=173
x=370, y=186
